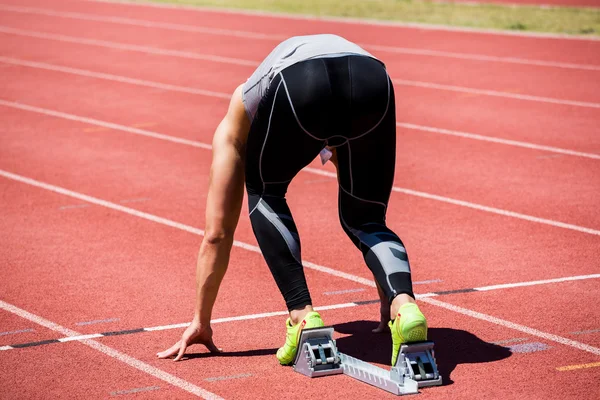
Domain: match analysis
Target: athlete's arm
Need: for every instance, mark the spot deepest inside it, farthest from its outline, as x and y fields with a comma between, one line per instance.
x=223, y=207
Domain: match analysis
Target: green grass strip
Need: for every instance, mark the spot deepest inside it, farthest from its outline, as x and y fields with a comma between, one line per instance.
x=562, y=20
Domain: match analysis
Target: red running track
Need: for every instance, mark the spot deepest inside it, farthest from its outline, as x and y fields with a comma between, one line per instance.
x=92, y=263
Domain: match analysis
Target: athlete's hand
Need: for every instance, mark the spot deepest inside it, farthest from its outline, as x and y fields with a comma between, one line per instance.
x=194, y=334
x=384, y=317
x=384, y=312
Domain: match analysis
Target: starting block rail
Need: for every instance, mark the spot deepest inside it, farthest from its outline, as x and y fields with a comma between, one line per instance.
x=318, y=356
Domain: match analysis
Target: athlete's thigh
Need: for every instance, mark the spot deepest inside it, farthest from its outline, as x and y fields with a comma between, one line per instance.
x=277, y=147
x=366, y=164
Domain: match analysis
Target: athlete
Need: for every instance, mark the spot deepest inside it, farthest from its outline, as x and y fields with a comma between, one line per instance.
x=312, y=94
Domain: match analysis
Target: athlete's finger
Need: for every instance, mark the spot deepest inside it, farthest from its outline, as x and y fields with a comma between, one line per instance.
x=210, y=345
x=169, y=352
x=181, y=350
x=381, y=329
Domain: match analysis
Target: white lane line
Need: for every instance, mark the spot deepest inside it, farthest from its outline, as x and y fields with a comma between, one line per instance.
x=144, y=367
x=513, y=340
x=185, y=89
x=497, y=211
x=254, y=316
x=585, y=332
x=409, y=192
x=104, y=124
x=274, y=313
x=166, y=327
x=427, y=281
x=73, y=206
x=127, y=47
x=344, y=291
x=141, y=23
x=475, y=206
x=540, y=282
x=96, y=321
x=340, y=274
x=136, y=390
x=167, y=222
x=482, y=57
x=492, y=139
x=512, y=325
x=104, y=203
x=80, y=337
x=371, y=284
x=249, y=316
x=348, y=20
x=280, y=37
x=16, y=332
x=335, y=307
x=225, y=378
x=495, y=93
x=115, y=78
x=109, y=351
x=251, y=63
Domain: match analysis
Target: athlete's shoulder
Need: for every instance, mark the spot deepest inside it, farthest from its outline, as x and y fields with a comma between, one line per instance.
x=318, y=38
x=322, y=43
x=236, y=110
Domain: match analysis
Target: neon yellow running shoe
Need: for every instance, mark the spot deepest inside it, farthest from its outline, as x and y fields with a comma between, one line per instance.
x=409, y=326
x=287, y=353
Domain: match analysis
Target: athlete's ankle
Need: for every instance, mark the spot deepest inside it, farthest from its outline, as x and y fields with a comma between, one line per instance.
x=398, y=302
x=296, y=316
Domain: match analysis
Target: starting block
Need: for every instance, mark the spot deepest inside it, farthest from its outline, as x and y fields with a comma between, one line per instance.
x=416, y=368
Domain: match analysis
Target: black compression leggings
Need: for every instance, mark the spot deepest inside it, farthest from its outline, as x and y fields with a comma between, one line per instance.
x=346, y=102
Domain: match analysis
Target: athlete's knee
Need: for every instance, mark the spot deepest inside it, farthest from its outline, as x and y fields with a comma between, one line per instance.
x=218, y=235
x=355, y=212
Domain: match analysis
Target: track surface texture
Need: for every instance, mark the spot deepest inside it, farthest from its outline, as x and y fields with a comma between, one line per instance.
x=108, y=110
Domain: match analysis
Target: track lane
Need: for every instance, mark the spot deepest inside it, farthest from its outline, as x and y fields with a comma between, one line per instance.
x=261, y=369
x=8, y=62
x=424, y=163
x=520, y=79
x=468, y=361
x=430, y=229
x=71, y=372
x=530, y=386
x=558, y=311
x=551, y=49
x=268, y=361
x=115, y=266
x=266, y=37
x=18, y=330
x=534, y=122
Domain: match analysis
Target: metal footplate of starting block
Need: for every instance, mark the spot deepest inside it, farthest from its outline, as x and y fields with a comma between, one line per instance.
x=318, y=356
x=417, y=361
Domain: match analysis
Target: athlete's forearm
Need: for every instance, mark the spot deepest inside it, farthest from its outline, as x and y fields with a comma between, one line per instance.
x=213, y=260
